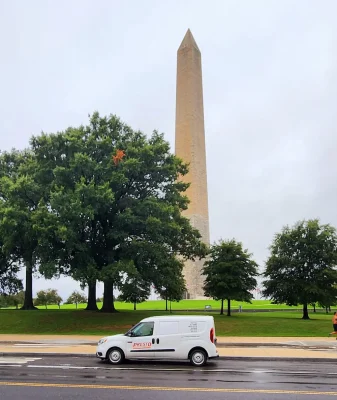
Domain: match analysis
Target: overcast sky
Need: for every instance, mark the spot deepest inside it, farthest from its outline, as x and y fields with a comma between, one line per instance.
x=270, y=94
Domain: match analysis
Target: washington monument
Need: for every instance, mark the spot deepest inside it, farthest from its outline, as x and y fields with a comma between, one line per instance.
x=190, y=146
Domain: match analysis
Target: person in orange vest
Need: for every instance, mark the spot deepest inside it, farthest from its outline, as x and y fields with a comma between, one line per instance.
x=334, y=323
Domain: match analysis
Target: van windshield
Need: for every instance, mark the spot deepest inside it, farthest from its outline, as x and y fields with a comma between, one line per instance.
x=128, y=333
x=141, y=329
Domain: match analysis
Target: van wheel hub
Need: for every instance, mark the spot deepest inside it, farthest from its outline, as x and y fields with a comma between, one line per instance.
x=115, y=356
x=198, y=358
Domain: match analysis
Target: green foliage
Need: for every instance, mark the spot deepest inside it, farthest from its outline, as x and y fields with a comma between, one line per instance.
x=17, y=299
x=20, y=196
x=170, y=283
x=13, y=300
x=230, y=273
x=301, y=267
x=9, y=282
x=76, y=298
x=3, y=301
x=46, y=297
x=102, y=215
x=134, y=289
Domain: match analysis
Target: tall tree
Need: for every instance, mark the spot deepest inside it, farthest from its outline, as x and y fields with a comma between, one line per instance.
x=114, y=191
x=9, y=282
x=134, y=289
x=65, y=222
x=47, y=297
x=20, y=195
x=17, y=299
x=76, y=298
x=170, y=283
x=301, y=268
x=230, y=273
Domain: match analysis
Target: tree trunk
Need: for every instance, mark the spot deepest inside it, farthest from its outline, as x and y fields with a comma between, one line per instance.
x=221, y=310
x=76, y=305
x=28, y=303
x=228, y=307
x=170, y=307
x=166, y=309
x=314, y=307
x=134, y=306
x=91, y=305
x=305, y=311
x=108, y=299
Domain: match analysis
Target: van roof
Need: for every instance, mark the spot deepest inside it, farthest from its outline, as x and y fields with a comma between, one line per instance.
x=179, y=317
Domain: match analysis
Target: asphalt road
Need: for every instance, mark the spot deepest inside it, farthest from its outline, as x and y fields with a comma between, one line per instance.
x=82, y=378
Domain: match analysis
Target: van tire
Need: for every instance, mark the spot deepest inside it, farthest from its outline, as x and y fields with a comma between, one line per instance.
x=115, y=356
x=198, y=357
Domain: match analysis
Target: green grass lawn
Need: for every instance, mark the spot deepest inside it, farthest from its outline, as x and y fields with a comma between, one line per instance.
x=184, y=305
x=94, y=323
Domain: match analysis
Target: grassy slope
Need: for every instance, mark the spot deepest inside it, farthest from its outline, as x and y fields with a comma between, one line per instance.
x=159, y=305
x=82, y=322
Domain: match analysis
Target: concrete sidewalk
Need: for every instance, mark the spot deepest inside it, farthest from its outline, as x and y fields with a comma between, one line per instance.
x=261, y=347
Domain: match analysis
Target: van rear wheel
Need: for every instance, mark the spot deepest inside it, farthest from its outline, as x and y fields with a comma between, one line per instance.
x=198, y=358
x=115, y=356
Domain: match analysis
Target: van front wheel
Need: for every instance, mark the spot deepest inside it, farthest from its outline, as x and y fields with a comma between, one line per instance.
x=115, y=356
x=198, y=358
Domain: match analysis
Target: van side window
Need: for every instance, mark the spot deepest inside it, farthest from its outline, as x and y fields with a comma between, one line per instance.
x=143, y=329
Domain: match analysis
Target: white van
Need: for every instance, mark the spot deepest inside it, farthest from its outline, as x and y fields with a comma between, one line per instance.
x=163, y=338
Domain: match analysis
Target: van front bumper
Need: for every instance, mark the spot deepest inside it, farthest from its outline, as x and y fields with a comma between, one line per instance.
x=100, y=355
x=100, y=352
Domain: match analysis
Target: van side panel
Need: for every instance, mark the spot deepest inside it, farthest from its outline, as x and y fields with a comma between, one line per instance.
x=196, y=333
x=167, y=338
x=174, y=338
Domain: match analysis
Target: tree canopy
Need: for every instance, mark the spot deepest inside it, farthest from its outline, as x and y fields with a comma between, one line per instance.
x=230, y=273
x=76, y=298
x=301, y=268
x=114, y=197
x=9, y=282
x=20, y=195
x=134, y=289
x=47, y=297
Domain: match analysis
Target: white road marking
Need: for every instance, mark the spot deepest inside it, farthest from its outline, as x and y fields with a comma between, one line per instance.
x=180, y=370
x=14, y=365
x=44, y=345
x=17, y=360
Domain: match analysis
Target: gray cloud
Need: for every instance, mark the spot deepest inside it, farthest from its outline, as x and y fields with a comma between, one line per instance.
x=270, y=94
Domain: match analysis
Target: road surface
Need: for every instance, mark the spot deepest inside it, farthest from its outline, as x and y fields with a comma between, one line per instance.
x=69, y=378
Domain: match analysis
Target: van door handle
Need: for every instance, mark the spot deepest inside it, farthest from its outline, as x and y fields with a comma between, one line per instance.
x=157, y=341
x=152, y=341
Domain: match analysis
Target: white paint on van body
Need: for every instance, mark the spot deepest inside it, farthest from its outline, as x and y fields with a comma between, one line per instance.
x=166, y=337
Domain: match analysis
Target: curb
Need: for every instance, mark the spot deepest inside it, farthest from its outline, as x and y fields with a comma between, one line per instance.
x=277, y=345
x=331, y=346
x=23, y=354
x=223, y=358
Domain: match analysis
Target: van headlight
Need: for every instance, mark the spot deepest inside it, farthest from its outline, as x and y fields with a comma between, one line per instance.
x=102, y=341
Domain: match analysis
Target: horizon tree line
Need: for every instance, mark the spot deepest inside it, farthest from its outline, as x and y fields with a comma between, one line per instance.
x=103, y=202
